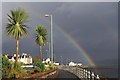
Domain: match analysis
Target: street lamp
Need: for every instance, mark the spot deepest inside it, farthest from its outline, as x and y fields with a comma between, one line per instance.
x=51, y=34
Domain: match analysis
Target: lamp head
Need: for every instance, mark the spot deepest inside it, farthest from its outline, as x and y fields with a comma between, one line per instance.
x=47, y=15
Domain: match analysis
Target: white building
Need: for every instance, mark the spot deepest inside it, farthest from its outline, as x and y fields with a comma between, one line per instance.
x=24, y=58
x=47, y=60
x=56, y=64
x=74, y=64
x=79, y=64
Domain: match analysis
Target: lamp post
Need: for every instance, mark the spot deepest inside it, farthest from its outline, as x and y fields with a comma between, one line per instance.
x=51, y=36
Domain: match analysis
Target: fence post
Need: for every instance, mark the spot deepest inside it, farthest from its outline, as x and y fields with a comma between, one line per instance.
x=89, y=75
x=93, y=76
x=79, y=74
x=98, y=78
x=86, y=74
x=82, y=72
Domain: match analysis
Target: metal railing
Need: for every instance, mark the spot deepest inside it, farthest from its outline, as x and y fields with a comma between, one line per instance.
x=81, y=73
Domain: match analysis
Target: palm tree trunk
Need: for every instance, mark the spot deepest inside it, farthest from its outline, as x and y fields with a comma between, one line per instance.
x=40, y=53
x=17, y=50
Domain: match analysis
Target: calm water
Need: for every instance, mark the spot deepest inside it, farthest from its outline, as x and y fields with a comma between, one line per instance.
x=112, y=73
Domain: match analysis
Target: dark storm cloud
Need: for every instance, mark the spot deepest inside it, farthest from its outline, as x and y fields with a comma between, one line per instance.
x=96, y=26
x=93, y=25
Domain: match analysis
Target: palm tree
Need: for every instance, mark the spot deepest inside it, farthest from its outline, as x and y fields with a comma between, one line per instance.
x=41, y=39
x=16, y=27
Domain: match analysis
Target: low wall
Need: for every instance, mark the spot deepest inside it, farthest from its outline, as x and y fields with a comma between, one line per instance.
x=39, y=76
x=46, y=74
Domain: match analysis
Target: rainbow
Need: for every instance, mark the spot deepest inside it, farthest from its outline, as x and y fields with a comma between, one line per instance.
x=77, y=45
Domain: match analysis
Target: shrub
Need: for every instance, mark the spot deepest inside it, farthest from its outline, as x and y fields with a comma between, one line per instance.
x=47, y=68
x=31, y=71
x=6, y=67
x=8, y=70
x=40, y=65
x=52, y=66
x=14, y=74
x=17, y=72
x=18, y=66
x=37, y=69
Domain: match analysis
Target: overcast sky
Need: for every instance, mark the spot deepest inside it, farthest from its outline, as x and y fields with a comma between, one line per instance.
x=93, y=25
x=61, y=0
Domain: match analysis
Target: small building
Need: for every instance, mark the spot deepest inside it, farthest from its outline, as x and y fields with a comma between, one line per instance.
x=79, y=64
x=47, y=60
x=24, y=58
x=56, y=64
x=74, y=64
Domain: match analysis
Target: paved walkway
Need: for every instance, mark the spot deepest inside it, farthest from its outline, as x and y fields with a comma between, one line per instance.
x=65, y=75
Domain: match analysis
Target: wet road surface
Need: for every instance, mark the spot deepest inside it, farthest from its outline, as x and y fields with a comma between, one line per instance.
x=65, y=75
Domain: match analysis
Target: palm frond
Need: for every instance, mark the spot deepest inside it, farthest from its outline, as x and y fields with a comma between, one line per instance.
x=41, y=34
x=15, y=27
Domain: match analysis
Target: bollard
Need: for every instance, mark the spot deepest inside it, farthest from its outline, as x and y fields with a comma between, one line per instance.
x=98, y=78
x=79, y=74
x=86, y=74
x=77, y=71
x=89, y=75
x=93, y=76
x=82, y=73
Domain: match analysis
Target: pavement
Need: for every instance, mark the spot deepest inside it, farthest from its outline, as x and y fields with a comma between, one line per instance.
x=65, y=75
